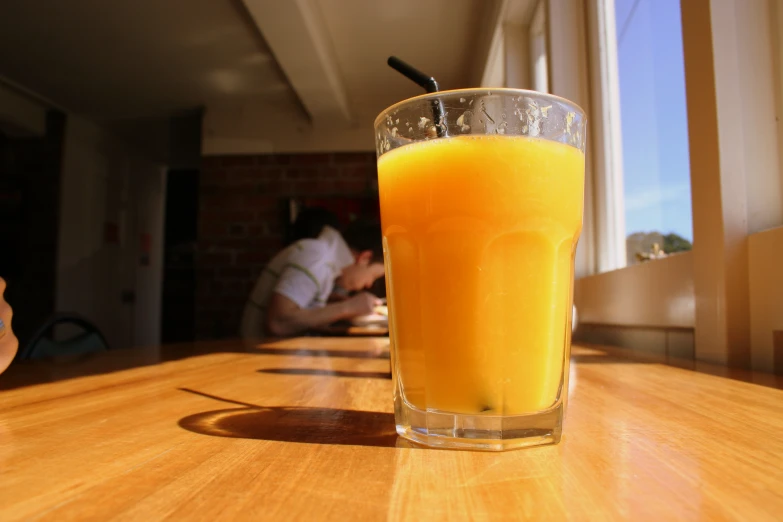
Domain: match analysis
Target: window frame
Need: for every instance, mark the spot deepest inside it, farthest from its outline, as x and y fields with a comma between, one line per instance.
x=733, y=53
x=538, y=46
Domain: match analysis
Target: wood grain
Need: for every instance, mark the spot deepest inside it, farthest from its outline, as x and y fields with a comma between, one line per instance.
x=303, y=429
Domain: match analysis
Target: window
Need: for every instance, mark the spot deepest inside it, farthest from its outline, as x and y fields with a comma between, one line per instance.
x=654, y=129
x=711, y=173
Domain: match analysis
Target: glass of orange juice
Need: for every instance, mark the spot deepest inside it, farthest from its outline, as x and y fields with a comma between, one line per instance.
x=481, y=196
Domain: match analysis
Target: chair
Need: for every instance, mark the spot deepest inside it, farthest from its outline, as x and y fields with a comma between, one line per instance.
x=42, y=344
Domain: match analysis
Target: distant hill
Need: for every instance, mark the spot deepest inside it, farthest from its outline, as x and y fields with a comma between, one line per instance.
x=643, y=242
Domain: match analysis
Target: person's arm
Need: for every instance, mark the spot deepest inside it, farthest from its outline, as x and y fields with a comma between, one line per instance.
x=8, y=342
x=337, y=295
x=284, y=317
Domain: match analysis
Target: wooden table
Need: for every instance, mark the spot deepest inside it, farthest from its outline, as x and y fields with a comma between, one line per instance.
x=303, y=429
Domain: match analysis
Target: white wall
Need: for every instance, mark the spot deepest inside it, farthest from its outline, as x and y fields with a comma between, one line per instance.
x=150, y=189
x=258, y=128
x=103, y=181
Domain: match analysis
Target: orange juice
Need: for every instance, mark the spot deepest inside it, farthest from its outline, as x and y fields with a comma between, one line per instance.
x=480, y=234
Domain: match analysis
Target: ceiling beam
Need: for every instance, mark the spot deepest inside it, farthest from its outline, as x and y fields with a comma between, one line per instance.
x=20, y=116
x=299, y=39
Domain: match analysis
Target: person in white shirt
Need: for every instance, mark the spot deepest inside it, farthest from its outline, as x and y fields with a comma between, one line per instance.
x=292, y=292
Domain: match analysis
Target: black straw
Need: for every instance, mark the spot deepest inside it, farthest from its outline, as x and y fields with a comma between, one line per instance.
x=428, y=82
x=409, y=71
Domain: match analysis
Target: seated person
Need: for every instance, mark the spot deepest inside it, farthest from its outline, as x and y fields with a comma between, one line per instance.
x=310, y=222
x=8, y=342
x=291, y=293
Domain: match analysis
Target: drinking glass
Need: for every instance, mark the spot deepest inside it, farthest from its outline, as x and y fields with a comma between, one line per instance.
x=481, y=194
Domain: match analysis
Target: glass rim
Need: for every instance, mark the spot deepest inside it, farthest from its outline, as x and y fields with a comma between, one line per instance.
x=475, y=90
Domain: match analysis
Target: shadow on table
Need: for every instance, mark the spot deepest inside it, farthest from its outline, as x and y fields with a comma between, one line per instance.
x=60, y=368
x=356, y=354
x=327, y=373
x=294, y=424
x=602, y=359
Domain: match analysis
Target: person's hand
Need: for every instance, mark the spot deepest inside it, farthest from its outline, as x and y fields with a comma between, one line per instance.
x=8, y=342
x=360, y=304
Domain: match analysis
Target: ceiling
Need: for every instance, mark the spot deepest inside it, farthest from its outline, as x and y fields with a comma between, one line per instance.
x=121, y=62
x=437, y=36
x=114, y=60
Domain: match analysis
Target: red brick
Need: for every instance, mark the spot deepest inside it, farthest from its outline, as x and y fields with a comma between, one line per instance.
x=226, y=216
x=263, y=236
x=243, y=177
x=238, y=161
x=232, y=243
x=362, y=158
x=214, y=259
x=212, y=176
x=302, y=173
x=350, y=186
x=234, y=272
x=270, y=173
x=241, y=221
x=356, y=172
x=253, y=177
x=270, y=243
x=260, y=202
x=238, y=289
x=206, y=229
x=208, y=162
x=268, y=216
x=319, y=187
x=311, y=159
x=258, y=231
x=279, y=159
x=274, y=187
x=210, y=246
x=273, y=159
x=329, y=173
x=239, y=216
x=222, y=199
x=252, y=258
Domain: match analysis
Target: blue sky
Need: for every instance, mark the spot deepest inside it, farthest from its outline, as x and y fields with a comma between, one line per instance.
x=654, y=118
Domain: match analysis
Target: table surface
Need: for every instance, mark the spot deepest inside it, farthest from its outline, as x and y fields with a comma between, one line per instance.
x=303, y=429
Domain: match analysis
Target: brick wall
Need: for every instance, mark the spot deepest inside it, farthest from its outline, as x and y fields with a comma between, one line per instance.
x=242, y=221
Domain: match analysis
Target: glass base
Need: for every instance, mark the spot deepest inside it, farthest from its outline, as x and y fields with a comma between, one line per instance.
x=478, y=432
